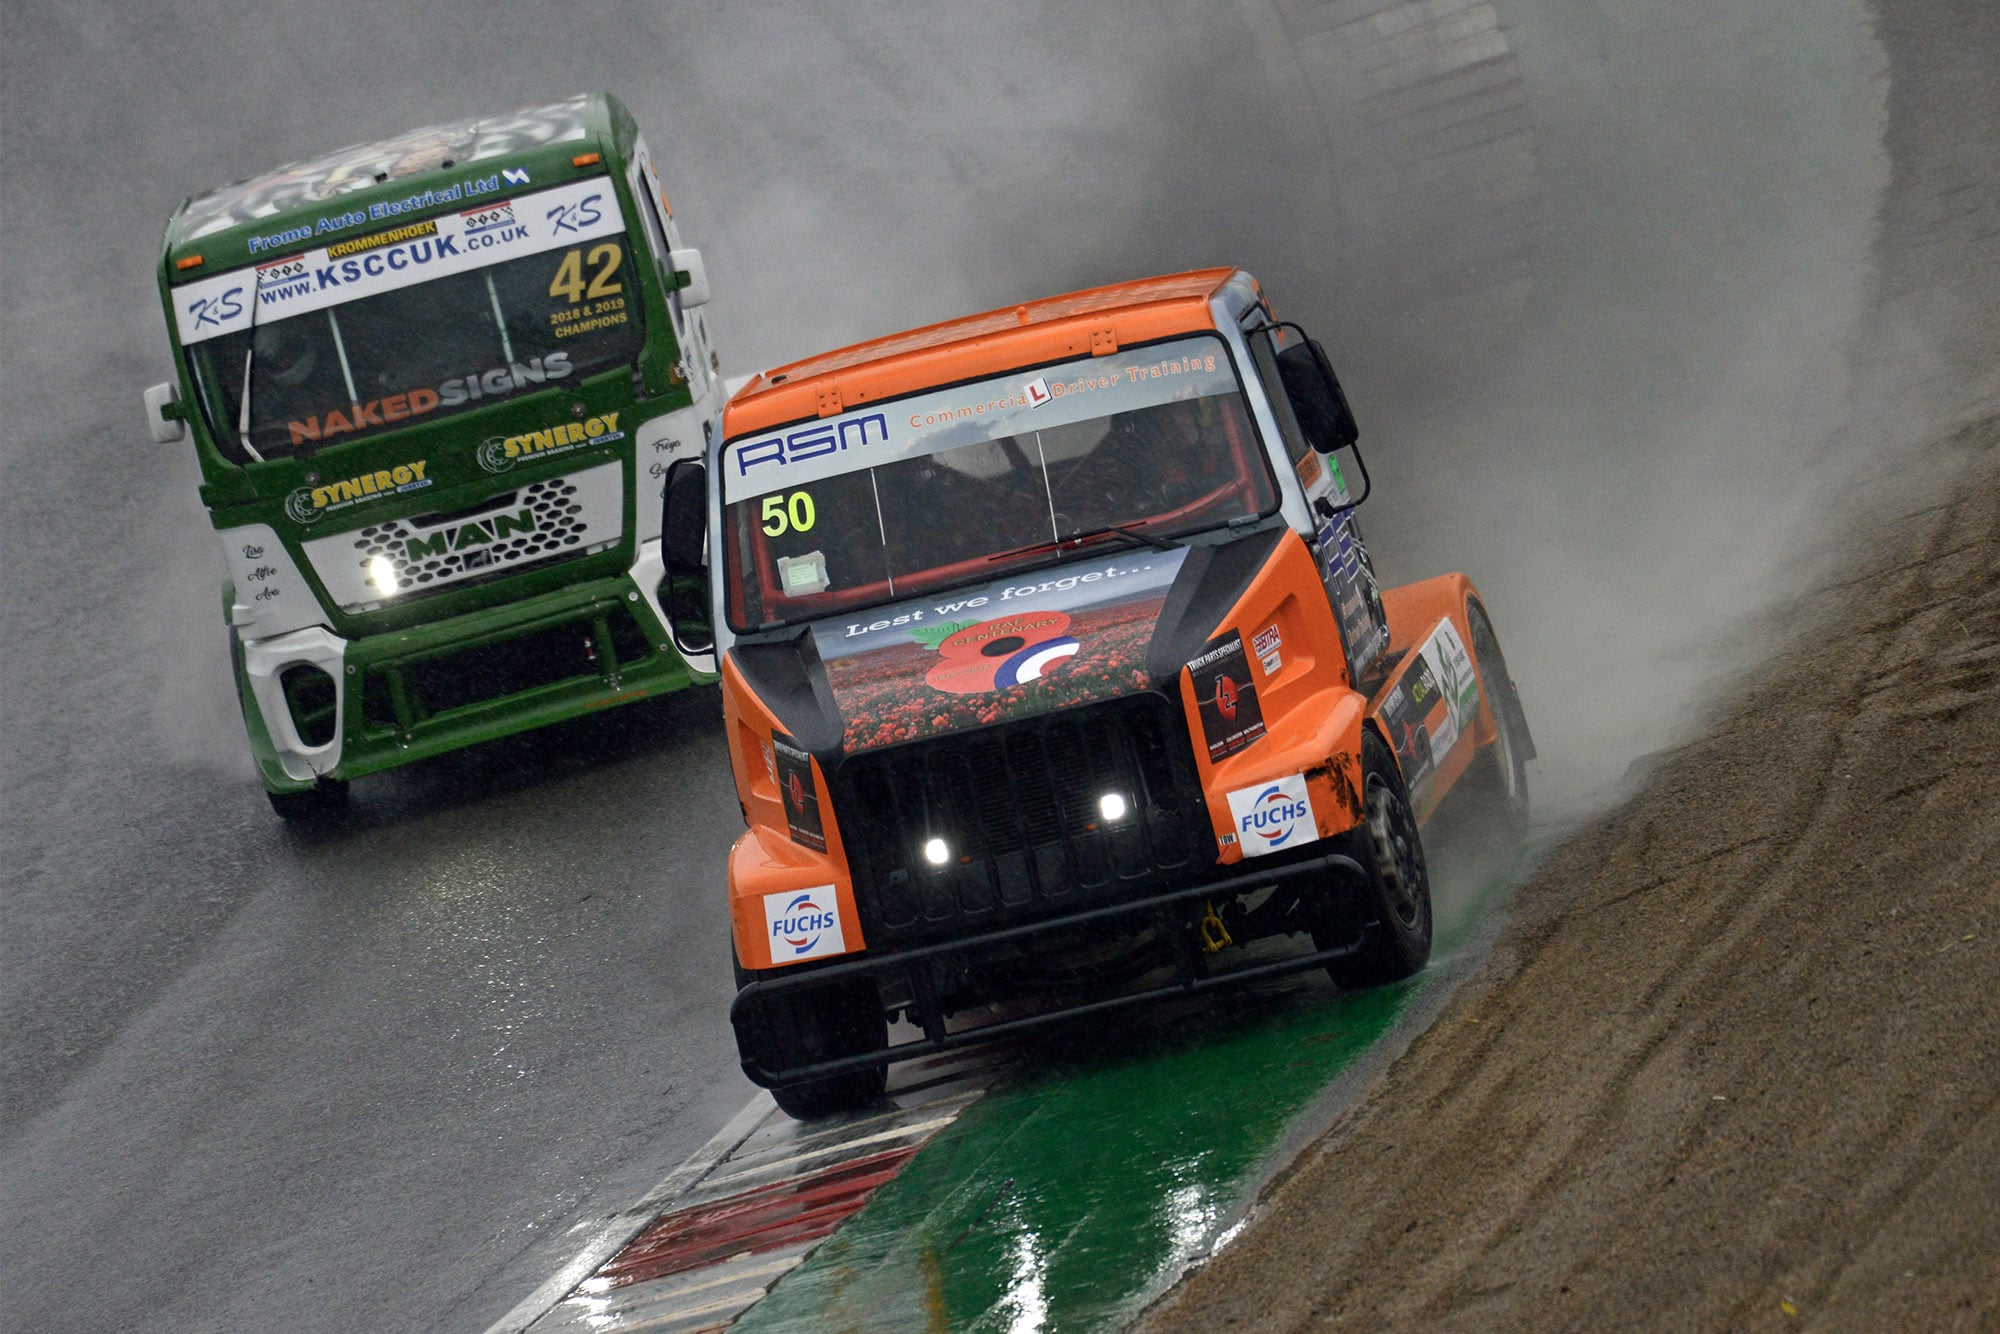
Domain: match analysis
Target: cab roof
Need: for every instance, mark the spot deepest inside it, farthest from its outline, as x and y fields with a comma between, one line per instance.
x=1097, y=320
x=538, y=143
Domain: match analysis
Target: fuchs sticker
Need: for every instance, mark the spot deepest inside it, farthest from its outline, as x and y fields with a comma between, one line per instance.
x=803, y=924
x=794, y=773
x=1230, y=715
x=1267, y=645
x=1274, y=816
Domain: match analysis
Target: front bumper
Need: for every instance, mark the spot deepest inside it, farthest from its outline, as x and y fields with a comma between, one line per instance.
x=913, y=967
x=438, y=687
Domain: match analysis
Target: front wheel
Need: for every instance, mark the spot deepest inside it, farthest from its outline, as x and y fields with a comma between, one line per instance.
x=1396, y=890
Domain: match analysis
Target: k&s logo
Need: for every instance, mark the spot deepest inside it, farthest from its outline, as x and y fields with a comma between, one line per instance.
x=575, y=217
x=216, y=311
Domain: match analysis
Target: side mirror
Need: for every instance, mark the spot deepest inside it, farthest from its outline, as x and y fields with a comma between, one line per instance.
x=684, y=550
x=1317, y=398
x=166, y=427
x=694, y=292
x=684, y=517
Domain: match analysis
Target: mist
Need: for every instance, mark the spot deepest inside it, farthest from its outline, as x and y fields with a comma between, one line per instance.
x=1601, y=355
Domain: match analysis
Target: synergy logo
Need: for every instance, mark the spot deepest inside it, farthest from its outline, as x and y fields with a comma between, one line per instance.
x=803, y=925
x=1271, y=816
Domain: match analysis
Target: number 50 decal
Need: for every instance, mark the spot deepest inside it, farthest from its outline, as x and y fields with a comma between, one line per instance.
x=793, y=514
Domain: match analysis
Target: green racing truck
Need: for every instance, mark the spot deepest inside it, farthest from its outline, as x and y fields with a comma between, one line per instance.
x=433, y=385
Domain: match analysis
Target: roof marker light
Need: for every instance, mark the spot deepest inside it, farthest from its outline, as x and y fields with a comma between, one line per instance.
x=586, y=159
x=186, y=262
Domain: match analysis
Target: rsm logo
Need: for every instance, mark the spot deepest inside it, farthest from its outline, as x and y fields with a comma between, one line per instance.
x=813, y=442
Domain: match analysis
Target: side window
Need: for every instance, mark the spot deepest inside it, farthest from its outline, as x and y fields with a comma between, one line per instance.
x=1261, y=352
x=657, y=239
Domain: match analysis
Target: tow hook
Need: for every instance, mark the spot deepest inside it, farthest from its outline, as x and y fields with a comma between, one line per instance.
x=1214, y=935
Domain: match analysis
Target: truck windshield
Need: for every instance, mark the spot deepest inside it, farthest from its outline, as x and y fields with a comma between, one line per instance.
x=414, y=323
x=965, y=484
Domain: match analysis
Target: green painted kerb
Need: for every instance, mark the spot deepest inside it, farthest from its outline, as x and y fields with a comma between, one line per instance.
x=1061, y=1201
x=1084, y=1186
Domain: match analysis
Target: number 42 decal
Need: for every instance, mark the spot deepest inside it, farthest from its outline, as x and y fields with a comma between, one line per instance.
x=568, y=282
x=793, y=514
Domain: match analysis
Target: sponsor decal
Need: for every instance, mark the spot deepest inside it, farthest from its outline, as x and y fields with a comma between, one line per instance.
x=1273, y=816
x=502, y=452
x=1267, y=645
x=515, y=175
x=794, y=774
x=803, y=924
x=1356, y=597
x=980, y=656
x=1231, y=718
x=1431, y=704
x=971, y=415
x=813, y=442
x=309, y=279
x=309, y=504
x=417, y=402
x=394, y=236
x=1005, y=650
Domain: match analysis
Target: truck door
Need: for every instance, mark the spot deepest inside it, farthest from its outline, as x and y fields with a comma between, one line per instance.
x=1346, y=571
x=698, y=359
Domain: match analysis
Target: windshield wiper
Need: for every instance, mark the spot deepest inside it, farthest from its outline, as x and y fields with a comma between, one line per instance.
x=249, y=360
x=1129, y=531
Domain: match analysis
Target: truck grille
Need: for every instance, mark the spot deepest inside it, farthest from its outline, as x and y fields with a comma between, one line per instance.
x=543, y=522
x=1019, y=810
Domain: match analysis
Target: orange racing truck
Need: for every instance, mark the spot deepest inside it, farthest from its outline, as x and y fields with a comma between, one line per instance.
x=1055, y=670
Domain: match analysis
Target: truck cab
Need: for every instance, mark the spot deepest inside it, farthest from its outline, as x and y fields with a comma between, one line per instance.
x=433, y=384
x=1053, y=658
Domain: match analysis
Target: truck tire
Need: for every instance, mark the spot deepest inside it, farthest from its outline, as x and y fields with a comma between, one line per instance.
x=822, y=1025
x=1396, y=893
x=323, y=801
x=1496, y=785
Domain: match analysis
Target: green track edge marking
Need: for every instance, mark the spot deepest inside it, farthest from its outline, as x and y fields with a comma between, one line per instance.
x=1084, y=1185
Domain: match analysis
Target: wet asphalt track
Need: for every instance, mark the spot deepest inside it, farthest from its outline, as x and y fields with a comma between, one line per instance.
x=366, y=1079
